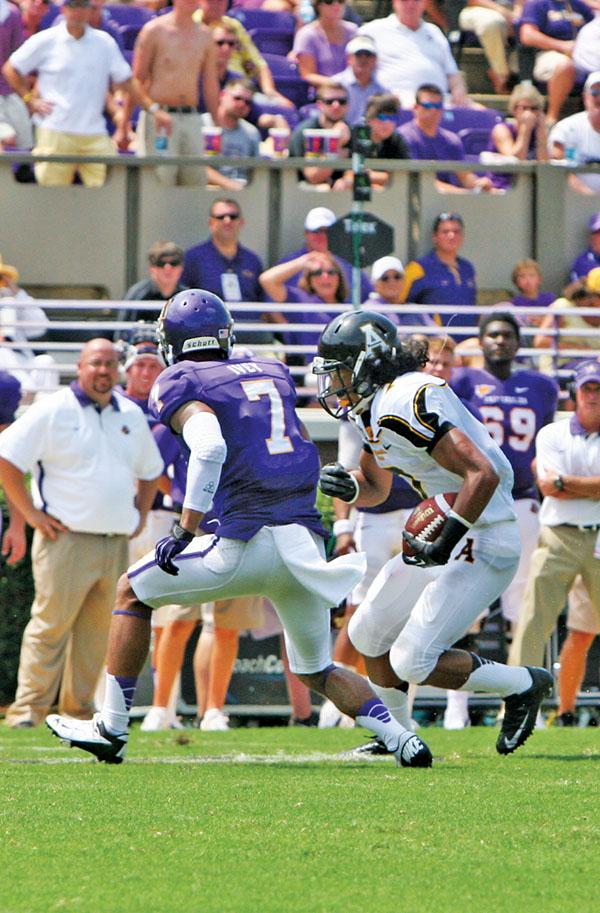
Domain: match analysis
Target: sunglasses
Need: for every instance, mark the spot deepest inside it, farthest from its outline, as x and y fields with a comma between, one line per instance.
x=160, y=263
x=526, y=108
x=226, y=215
x=331, y=2
x=334, y=101
x=387, y=118
x=431, y=105
x=595, y=93
x=242, y=98
x=448, y=217
x=77, y=4
x=231, y=43
x=391, y=277
x=323, y=272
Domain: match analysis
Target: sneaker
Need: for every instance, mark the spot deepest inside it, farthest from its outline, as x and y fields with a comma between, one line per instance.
x=456, y=714
x=521, y=711
x=330, y=716
x=565, y=719
x=90, y=735
x=214, y=720
x=155, y=720
x=412, y=752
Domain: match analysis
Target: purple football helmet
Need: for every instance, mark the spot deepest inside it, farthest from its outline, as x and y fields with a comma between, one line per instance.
x=194, y=321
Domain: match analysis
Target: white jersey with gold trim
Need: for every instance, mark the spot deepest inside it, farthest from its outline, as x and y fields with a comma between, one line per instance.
x=405, y=421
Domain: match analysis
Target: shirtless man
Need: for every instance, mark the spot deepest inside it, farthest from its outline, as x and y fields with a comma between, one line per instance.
x=172, y=54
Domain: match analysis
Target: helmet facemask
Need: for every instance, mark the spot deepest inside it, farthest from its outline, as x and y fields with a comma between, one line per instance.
x=343, y=388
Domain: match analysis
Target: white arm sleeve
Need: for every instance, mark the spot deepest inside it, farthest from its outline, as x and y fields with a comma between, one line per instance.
x=208, y=452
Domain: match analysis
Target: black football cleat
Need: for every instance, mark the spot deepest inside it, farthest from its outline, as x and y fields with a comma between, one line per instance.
x=89, y=735
x=372, y=749
x=521, y=710
x=412, y=752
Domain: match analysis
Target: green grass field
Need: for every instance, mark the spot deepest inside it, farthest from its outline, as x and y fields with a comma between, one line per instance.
x=275, y=821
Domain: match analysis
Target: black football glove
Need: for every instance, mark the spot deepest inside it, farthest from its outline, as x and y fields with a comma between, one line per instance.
x=169, y=547
x=435, y=554
x=338, y=483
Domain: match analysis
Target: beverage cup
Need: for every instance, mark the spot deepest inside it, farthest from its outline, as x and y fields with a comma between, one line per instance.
x=314, y=143
x=332, y=144
x=212, y=138
x=280, y=138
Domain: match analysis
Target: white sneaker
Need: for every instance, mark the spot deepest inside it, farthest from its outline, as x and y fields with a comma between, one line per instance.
x=155, y=720
x=214, y=720
x=456, y=715
x=330, y=716
x=89, y=735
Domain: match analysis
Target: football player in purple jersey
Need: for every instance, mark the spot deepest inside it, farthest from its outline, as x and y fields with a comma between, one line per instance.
x=250, y=460
x=514, y=404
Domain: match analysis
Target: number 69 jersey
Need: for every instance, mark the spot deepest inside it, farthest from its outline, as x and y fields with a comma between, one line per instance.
x=513, y=411
x=271, y=472
x=407, y=419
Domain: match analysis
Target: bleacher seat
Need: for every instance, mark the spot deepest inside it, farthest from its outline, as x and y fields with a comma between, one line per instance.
x=270, y=41
x=130, y=15
x=265, y=19
x=475, y=140
x=290, y=114
x=457, y=119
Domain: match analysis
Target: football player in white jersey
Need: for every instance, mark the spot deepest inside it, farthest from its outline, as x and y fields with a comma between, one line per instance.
x=414, y=425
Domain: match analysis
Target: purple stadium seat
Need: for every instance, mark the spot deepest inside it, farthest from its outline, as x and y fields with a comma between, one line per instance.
x=280, y=65
x=457, y=119
x=475, y=139
x=270, y=41
x=130, y=15
x=265, y=19
x=290, y=114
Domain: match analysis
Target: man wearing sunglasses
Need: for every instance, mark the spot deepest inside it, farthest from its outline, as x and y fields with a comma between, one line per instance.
x=426, y=139
x=332, y=105
x=240, y=139
x=359, y=77
x=165, y=267
x=581, y=133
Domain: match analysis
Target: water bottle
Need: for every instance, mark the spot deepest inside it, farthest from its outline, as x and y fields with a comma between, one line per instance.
x=161, y=141
x=307, y=11
x=571, y=157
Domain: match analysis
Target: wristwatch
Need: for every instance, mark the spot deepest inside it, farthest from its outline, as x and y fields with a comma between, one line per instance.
x=181, y=534
x=153, y=108
x=559, y=483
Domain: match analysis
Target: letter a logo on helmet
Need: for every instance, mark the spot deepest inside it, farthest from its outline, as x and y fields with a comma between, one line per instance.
x=194, y=321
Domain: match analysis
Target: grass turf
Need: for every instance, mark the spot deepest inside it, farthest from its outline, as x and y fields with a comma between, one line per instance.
x=264, y=821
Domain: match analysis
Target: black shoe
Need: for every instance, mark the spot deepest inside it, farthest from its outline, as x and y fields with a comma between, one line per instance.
x=521, y=710
x=565, y=719
x=412, y=752
x=308, y=722
x=89, y=735
x=24, y=724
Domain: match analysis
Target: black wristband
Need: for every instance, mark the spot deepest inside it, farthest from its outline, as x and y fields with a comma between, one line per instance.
x=181, y=534
x=452, y=532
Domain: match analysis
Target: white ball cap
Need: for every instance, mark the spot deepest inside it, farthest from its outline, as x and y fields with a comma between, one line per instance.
x=319, y=217
x=381, y=267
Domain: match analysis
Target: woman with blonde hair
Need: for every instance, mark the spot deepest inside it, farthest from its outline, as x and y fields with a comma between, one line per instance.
x=523, y=136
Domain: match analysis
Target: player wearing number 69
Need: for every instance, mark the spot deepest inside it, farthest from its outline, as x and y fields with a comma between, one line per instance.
x=414, y=425
x=249, y=459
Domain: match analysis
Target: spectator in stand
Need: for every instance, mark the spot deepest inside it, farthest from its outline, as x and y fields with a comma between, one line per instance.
x=239, y=139
x=493, y=23
x=527, y=278
x=12, y=539
x=246, y=59
x=359, y=77
x=586, y=53
x=100, y=18
x=76, y=65
x=387, y=275
x=447, y=278
x=412, y=52
x=551, y=27
x=585, y=294
x=583, y=625
x=427, y=140
x=173, y=56
x=522, y=136
x=13, y=112
x=381, y=116
x=577, y=137
x=322, y=282
x=92, y=450
x=588, y=259
x=320, y=47
x=165, y=268
x=225, y=267
x=316, y=223
x=332, y=105
x=33, y=12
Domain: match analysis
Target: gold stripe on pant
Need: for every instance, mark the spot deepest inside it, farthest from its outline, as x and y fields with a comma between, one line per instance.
x=64, y=643
x=562, y=553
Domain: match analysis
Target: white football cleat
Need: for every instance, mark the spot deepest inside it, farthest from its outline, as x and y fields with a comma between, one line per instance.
x=156, y=720
x=214, y=720
x=90, y=735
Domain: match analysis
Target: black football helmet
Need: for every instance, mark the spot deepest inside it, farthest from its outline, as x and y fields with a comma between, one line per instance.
x=194, y=321
x=356, y=355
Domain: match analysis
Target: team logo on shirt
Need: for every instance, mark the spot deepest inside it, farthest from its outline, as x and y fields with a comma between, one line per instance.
x=125, y=429
x=483, y=390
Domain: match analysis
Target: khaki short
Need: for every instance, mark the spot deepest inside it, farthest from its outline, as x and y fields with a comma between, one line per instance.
x=581, y=615
x=239, y=614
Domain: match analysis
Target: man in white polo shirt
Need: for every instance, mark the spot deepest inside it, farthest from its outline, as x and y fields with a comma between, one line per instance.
x=94, y=465
x=411, y=51
x=76, y=66
x=568, y=475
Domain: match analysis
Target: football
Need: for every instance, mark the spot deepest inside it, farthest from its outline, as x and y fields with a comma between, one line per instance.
x=427, y=519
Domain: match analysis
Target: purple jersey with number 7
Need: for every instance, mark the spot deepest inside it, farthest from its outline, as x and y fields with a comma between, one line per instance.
x=513, y=411
x=270, y=475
